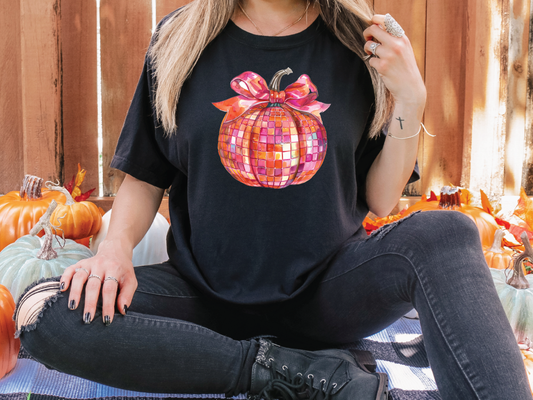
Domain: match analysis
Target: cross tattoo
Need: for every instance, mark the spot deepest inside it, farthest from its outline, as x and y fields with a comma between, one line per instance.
x=401, y=120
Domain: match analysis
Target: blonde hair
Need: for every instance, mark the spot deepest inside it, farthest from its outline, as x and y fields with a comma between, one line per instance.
x=180, y=41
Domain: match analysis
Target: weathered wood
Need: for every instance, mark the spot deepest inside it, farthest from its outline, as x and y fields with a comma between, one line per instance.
x=125, y=28
x=165, y=7
x=527, y=169
x=445, y=82
x=11, y=166
x=518, y=44
x=42, y=83
x=411, y=15
x=80, y=111
x=485, y=94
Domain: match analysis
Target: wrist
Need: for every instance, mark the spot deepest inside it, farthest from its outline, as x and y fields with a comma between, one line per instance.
x=115, y=247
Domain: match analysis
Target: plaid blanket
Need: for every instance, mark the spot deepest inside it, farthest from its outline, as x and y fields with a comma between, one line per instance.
x=399, y=352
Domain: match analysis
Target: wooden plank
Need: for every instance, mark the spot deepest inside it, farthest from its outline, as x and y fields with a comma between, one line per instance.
x=485, y=94
x=41, y=88
x=80, y=108
x=125, y=28
x=518, y=44
x=11, y=166
x=527, y=170
x=445, y=82
x=411, y=15
x=165, y=7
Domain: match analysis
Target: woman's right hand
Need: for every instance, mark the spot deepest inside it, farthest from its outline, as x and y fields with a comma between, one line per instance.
x=111, y=261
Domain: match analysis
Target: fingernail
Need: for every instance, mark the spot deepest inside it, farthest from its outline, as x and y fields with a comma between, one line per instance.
x=62, y=286
x=72, y=304
x=87, y=318
x=125, y=309
x=107, y=320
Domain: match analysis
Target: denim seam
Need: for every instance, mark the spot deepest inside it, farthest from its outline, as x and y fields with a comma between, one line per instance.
x=180, y=323
x=428, y=301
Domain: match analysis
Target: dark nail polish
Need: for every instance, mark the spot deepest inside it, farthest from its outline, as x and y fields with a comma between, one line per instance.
x=87, y=318
x=125, y=309
x=107, y=320
x=62, y=286
x=72, y=304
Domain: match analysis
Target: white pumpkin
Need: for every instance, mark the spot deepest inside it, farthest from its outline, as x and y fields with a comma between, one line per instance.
x=20, y=266
x=152, y=249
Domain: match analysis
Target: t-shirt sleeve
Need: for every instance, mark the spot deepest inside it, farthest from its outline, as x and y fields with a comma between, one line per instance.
x=365, y=156
x=138, y=153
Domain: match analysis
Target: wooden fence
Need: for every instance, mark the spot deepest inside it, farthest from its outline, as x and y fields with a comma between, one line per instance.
x=473, y=55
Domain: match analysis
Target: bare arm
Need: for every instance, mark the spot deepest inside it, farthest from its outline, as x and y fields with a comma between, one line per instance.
x=134, y=209
x=396, y=64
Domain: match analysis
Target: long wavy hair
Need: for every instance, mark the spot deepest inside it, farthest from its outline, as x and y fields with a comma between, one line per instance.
x=180, y=41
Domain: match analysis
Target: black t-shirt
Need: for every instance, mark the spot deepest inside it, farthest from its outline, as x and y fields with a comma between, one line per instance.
x=259, y=203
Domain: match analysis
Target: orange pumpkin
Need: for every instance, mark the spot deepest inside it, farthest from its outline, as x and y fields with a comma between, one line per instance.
x=450, y=199
x=496, y=256
x=9, y=346
x=21, y=210
x=77, y=220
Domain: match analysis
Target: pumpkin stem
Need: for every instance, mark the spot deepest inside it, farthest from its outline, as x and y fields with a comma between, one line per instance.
x=46, y=252
x=276, y=80
x=450, y=197
x=56, y=187
x=497, y=243
x=31, y=187
x=518, y=279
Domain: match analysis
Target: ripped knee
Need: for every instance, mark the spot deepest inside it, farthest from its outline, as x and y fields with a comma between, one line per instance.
x=35, y=299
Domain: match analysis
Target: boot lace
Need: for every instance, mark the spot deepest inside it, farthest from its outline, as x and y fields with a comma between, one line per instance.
x=294, y=388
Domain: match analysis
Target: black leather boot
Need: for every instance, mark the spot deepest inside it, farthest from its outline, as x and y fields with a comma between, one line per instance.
x=283, y=373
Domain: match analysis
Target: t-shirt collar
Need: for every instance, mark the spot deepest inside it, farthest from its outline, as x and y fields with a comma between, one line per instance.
x=273, y=42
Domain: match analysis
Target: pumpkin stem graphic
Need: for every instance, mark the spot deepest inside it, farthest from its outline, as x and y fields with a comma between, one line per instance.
x=518, y=279
x=276, y=80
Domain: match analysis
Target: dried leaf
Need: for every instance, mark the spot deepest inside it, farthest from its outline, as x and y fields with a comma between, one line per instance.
x=433, y=196
x=70, y=186
x=501, y=222
x=524, y=208
x=485, y=203
x=84, y=196
x=517, y=231
x=466, y=197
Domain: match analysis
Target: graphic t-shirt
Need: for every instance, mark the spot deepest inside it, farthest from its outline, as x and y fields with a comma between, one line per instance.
x=267, y=180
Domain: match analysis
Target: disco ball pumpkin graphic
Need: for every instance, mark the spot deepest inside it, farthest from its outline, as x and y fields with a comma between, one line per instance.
x=270, y=137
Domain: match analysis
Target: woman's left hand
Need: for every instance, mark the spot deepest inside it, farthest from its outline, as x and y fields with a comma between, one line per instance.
x=395, y=62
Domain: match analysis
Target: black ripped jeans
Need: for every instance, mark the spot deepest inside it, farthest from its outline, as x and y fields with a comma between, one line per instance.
x=174, y=340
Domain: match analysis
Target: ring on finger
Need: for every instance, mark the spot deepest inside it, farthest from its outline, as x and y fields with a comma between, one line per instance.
x=82, y=269
x=393, y=27
x=373, y=48
x=95, y=276
x=111, y=278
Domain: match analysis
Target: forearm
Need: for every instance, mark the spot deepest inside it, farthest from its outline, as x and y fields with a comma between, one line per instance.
x=134, y=209
x=393, y=166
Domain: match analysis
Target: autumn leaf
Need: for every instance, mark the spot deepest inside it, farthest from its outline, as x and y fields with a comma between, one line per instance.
x=433, y=197
x=466, y=197
x=485, y=203
x=524, y=208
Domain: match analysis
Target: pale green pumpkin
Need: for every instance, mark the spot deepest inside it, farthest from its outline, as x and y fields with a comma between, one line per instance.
x=31, y=258
x=516, y=294
x=20, y=266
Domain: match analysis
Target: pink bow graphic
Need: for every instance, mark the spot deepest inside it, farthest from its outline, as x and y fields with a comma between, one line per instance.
x=253, y=90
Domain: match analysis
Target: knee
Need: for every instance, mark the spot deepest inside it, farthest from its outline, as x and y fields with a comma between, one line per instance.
x=442, y=229
x=32, y=304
